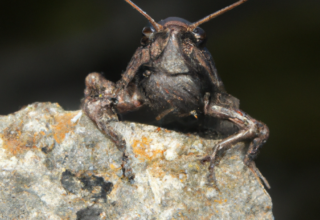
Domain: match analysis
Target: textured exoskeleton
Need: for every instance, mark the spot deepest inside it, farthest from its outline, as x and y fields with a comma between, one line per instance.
x=174, y=74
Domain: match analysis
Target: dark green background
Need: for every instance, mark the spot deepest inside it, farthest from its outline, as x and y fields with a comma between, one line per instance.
x=266, y=52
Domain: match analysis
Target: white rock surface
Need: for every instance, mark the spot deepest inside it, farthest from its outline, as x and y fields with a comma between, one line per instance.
x=56, y=164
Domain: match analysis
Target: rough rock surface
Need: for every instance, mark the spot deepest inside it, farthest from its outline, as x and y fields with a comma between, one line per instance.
x=56, y=164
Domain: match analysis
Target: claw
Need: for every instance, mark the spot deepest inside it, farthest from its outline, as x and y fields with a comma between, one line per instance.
x=256, y=172
x=212, y=159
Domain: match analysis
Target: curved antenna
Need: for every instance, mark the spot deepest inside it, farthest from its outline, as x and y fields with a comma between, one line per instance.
x=157, y=27
x=215, y=14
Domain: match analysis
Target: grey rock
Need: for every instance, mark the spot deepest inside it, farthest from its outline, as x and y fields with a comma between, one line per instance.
x=56, y=164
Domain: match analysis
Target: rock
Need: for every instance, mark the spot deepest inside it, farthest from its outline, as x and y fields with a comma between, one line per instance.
x=56, y=164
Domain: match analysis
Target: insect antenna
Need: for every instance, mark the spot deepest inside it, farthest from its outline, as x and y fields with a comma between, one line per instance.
x=157, y=27
x=215, y=14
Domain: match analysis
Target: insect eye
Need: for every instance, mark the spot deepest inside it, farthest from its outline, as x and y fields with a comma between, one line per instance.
x=200, y=36
x=147, y=35
x=148, y=32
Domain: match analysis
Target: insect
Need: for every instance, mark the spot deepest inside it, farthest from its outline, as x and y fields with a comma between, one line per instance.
x=173, y=73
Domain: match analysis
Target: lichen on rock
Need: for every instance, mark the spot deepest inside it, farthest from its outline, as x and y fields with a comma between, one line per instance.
x=56, y=164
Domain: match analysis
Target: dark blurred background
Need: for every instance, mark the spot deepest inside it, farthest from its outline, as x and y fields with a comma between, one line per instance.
x=266, y=52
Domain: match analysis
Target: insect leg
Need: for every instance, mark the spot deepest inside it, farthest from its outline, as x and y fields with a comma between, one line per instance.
x=250, y=128
x=140, y=57
x=98, y=104
x=101, y=103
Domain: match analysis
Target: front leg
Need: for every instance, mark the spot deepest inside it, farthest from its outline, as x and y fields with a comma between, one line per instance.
x=99, y=103
x=250, y=128
x=104, y=99
x=140, y=57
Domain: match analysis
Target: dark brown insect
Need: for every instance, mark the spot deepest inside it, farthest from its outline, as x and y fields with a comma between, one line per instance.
x=174, y=74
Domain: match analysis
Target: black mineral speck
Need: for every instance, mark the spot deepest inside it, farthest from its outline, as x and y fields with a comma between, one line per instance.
x=89, y=182
x=89, y=213
x=69, y=182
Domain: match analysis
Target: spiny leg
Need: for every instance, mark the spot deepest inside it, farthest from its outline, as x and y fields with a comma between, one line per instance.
x=102, y=103
x=98, y=104
x=252, y=152
x=249, y=129
x=140, y=57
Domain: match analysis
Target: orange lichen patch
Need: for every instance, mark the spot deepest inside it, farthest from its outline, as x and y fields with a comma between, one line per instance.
x=158, y=129
x=220, y=201
x=112, y=166
x=37, y=136
x=157, y=170
x=16, y=142
x=141, y=148
x=114, y=169
x=268, y=207
x=15, y=146
x=62, y=126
